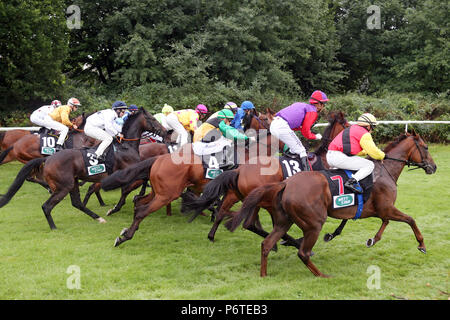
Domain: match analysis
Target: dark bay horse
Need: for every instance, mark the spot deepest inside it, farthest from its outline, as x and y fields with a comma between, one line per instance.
x=63, y=169
x=305, y=199
x=236, y=184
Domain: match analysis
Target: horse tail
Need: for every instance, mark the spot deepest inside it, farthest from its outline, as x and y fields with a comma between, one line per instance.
x=138, y=171
x=5, y=153
x=272, y=190
x=20, y=179
x=212, y=191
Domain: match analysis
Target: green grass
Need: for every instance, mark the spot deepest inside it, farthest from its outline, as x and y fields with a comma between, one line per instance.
x=172, y=259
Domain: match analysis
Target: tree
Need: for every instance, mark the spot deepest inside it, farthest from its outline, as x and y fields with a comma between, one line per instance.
x=33, y=46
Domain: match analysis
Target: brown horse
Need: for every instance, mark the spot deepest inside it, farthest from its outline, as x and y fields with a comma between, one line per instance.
x=26, y=145
x=146, y=151
x=305, y=199
x=63, y=169
x=8, y=138
x=236, y=184
x=169, y=176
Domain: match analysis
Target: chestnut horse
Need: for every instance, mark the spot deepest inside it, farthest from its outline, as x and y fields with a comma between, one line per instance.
x=169, y=176
x=236, y=184
x=305, y=199
x=27, y=146
x=63, y=169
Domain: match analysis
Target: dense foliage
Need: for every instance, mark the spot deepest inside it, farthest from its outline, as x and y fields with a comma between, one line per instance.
x=196, y=51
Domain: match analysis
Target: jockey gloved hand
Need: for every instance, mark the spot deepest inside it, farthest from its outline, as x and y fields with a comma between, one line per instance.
x=318, y=136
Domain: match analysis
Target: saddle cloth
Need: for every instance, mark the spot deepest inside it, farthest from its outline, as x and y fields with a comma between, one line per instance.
x=289, y=165
x=342, y=196
x=217, y=156
x=47, y=141
x=95, y=166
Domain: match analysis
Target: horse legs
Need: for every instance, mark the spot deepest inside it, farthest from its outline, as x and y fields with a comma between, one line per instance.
x=229, y=200
x=91, y=190
x=331, y=236
x=142, y=209
x=76, y=202
x=372, y=241
x=280, y=228
x=48, y=206
x=397, y=215
x=304, y=253
x=125, y=192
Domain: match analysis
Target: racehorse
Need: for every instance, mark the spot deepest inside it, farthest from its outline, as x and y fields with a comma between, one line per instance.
x=23, y=145
x=169, y=176
x=236, y=184
x=305, y=199
x=63, y=169
x=146, y=151
x=8, y=138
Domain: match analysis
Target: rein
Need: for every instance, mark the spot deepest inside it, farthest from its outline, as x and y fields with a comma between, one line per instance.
x=419, y=165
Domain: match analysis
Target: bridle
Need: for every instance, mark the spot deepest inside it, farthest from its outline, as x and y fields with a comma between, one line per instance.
x=422, y=164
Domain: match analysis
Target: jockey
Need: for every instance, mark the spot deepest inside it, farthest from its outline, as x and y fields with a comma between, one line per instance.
x=132, y=109
x=61, y=121
x=230, y=106
x=182, y=121
x=102, y=126
x=354, y=141
x=299, y=116
x=213, y=129
x=246, y=106
x=40, y=116
x=166, y=109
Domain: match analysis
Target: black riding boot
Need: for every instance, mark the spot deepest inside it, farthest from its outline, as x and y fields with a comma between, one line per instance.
x=305, y=164
x=352, y=185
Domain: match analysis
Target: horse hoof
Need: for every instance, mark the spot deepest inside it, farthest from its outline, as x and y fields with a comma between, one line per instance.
x=101, y=220
x=370, y=243
x=117, y=242
x=423, y=250
x=328, y=237
x=122, y=233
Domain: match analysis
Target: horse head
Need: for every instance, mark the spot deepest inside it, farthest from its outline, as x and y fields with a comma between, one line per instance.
x=140, y=122
x=411, y=149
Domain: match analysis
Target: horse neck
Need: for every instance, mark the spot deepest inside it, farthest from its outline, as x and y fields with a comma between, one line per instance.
x=401, y=152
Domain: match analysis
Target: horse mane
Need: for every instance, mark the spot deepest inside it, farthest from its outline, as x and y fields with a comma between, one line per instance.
x=130, y=120
x=247, y=120
x=333, y=117
x=395, y=142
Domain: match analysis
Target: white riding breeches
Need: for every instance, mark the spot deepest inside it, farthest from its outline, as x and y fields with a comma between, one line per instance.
x=99, y=134
x=340, y=160
x=49, y=123
x=174, y=123
x=40, y=118
x=281, y=130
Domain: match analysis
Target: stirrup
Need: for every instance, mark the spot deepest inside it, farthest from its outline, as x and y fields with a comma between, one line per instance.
x=353, y=186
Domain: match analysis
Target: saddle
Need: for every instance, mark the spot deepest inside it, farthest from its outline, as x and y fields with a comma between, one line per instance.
x=48, y=138
x=344, y=197
x=96, y=166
